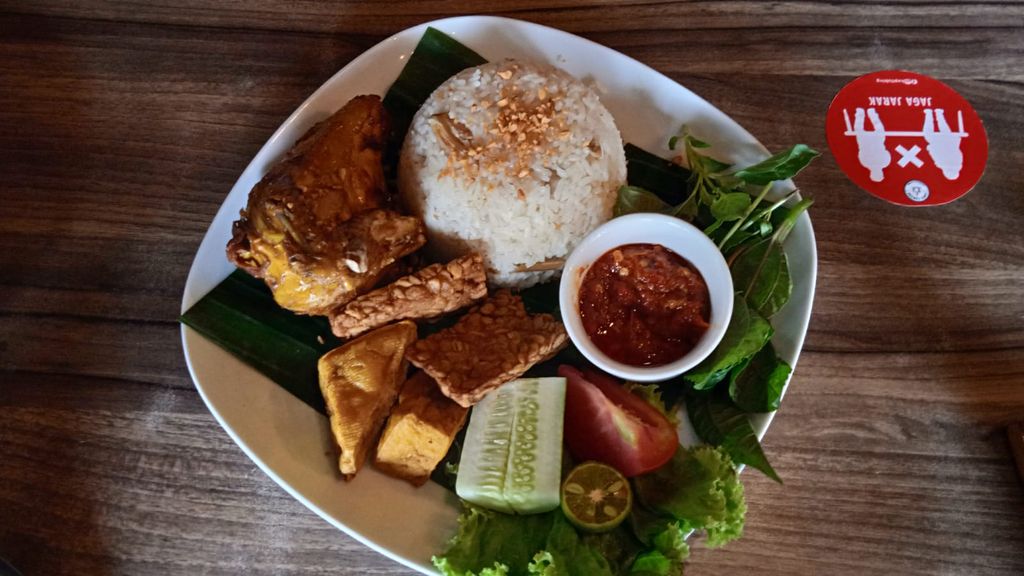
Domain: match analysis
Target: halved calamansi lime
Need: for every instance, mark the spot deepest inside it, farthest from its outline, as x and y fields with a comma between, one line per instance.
x=596, y=497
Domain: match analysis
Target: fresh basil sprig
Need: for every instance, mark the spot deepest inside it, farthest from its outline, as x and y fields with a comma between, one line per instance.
x=781, y=166
x=726, y=193
x=747, y=333
x=760, y=270
x=720, y=423
x=756, y=385
x=717, y=198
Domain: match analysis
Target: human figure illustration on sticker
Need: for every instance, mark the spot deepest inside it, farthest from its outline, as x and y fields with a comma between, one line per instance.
x=943, y=143
x=871, y=150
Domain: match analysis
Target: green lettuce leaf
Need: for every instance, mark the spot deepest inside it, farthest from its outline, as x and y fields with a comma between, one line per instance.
x=619, y=547
x=444, y=567
x=652, y=394
x=566, y=554
x=667, y=555
x=495, y=544
x=700, y=489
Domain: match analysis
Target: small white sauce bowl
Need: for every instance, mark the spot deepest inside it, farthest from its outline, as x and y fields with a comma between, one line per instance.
x=678, y=236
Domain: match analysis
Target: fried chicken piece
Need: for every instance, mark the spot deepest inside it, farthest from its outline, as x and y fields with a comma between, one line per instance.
x=430, y=292
x=301, y=229
x=360, y=381
x=496, y=342
x=419, y=431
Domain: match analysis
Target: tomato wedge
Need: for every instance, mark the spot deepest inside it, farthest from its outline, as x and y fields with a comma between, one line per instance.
x=607, y=423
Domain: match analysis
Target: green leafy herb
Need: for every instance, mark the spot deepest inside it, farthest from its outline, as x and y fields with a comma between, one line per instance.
x=781, y=166
x=494, y=544
x=741, y=237
x=632, y=199
x=689, y=209
x=652, y=394
x=730, y=206
x=759, y=224
x=718, y=197
x=761, y=272
x=700, y=490
x=746, y=334
x=658, y=185
x=744, y=218
x=567, y=554
x=720, y=423
x=756, y=385
x=787, y=220
x=619, y=547
x=240, y=316
x=702, y=165
x=693, y=142
x=665, y=558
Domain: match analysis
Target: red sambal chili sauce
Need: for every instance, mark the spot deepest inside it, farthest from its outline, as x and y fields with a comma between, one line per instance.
x=644, y=305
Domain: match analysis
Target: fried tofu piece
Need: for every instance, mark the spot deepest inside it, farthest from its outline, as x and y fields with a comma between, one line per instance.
x=360, y=381
x=430, y=292
x=304, y=227
x=495, y=342
x=419, y=432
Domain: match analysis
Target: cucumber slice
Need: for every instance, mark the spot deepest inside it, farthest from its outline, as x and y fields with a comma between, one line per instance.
x=512, y=457
x=532, y=483
x=484, y=461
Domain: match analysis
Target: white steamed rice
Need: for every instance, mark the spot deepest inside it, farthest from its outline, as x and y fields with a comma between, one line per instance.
x=518, y=161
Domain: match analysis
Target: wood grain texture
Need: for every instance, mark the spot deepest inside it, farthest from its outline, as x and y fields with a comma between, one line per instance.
x=123, y=125
x=369, y=17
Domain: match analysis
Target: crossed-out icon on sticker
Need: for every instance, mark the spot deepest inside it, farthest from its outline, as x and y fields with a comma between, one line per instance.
x=943, y=144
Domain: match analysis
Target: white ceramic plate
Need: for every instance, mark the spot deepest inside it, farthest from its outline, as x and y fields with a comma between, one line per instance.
x=289, y=440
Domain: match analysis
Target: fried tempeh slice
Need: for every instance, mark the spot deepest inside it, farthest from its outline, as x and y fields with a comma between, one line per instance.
x=492, y=344
x=360, y=381
x=419, y=431
x=433, y=291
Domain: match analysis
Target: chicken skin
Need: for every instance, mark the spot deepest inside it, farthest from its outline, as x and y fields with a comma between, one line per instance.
x=316, y=228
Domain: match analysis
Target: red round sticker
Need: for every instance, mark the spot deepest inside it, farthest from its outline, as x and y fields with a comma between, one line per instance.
x=907, y=138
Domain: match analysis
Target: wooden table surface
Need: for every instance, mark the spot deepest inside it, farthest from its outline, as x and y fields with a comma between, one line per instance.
x=123, y=126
